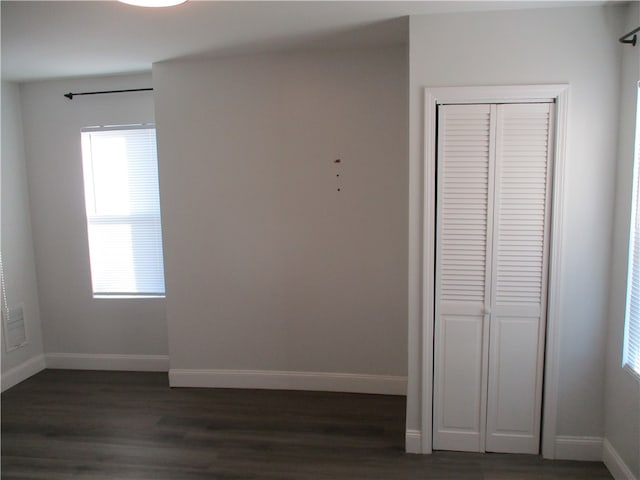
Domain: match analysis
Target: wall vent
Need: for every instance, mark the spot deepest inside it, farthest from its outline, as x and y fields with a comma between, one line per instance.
x=15, y=333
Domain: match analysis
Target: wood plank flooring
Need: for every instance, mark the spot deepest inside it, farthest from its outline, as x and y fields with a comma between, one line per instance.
x=63, y=424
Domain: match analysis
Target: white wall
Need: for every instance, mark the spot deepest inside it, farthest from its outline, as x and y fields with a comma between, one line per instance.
x=622, y=400
x=17, y=243
x=574, y=45
x=73, y=322
x=268, y=266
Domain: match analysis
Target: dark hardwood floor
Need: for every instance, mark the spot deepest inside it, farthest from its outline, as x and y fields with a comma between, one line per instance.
x=63, y=424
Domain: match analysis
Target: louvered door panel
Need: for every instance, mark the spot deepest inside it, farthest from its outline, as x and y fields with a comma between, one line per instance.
x=519, y=277
x=521, y=207
x=464, y=182
x=464, y=198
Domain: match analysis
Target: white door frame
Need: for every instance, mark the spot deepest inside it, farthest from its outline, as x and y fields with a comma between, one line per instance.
x=421, y=306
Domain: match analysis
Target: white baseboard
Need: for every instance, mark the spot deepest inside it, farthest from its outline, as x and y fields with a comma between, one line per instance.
x=413, y=441
x=579, y=448
x=278, y=380
x=22, y=372
x=619, y=470
x=89, y=361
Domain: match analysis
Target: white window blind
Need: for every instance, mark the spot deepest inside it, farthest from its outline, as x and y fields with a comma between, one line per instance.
x=631, y=353
x=123, y=211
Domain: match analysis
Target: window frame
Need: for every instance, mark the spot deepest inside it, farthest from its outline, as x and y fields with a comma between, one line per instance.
x=91, y=218
x=633, y=365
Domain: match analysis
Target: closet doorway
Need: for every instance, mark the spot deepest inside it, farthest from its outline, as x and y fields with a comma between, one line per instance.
x=489, y=367
x=492, y=228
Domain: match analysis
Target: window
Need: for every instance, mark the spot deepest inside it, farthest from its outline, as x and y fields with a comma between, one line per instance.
x=631, y=352
x=123, y=211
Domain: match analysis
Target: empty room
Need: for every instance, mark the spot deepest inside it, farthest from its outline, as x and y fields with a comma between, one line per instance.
x=320, y=239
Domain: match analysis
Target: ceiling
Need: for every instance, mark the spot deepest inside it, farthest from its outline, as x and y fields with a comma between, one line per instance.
x=54, y=39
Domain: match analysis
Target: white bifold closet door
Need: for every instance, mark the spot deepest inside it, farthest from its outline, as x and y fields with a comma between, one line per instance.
x=494, y=168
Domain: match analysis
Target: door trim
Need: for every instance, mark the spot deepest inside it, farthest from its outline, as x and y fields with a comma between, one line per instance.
x=422, y=199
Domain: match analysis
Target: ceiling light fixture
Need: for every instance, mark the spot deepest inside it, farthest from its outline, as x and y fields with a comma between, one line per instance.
x=153, y=3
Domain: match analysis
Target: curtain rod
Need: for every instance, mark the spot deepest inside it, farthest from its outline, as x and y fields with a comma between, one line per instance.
x=630, y=41
x=70, y=95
